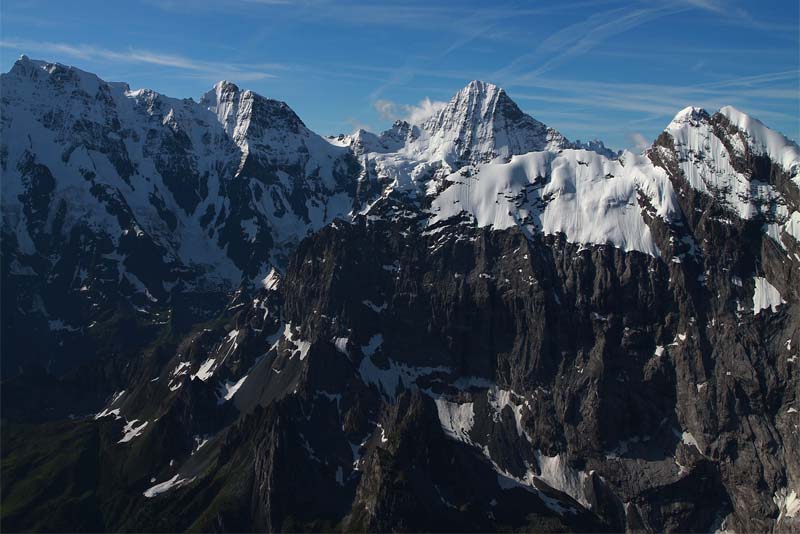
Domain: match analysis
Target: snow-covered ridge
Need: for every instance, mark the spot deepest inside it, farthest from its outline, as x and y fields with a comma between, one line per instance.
x=691, y=127
x=766, y=142
x=231, y=183
x=589, y=198
x=708, y=167
x=708, y=160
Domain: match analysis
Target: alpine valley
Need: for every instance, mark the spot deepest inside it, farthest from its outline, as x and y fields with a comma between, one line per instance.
x=214, y=319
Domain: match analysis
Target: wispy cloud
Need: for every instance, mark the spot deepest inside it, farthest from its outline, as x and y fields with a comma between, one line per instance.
x=269, y=2
x=422, y=111
x=750, y=81
x=638, y=141
x=659, y=99
x=386, y=109
x=648, y=107
x=460, y=25
x=357, y=124
x=728, y=13
x=579, y=38
x=413, y=114
x=186, y=65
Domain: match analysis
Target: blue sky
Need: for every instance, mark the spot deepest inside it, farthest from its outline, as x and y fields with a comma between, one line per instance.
x=614, y=70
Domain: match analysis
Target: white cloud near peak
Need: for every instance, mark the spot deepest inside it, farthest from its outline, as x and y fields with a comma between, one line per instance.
x=413, y=114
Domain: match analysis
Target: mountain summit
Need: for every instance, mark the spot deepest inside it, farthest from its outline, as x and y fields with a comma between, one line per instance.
x=481, y=123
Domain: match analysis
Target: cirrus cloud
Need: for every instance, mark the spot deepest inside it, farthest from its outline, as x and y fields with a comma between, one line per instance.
x=191, y=66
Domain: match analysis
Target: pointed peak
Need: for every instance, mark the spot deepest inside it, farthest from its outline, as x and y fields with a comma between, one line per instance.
x=479, y=90
x=481, y=123
x=218, y=93
x=479, y=97
x=26, y=66
x=478, y=101
x=224, y=86
x=690, y=114
x=361, y=134
x=759, y=138
x=481, y=87
x=25, y=60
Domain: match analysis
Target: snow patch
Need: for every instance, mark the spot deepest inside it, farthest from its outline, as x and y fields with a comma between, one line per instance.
x=301, y=347
x=499, y=399
x=556, y=473
x=228, y=389
x=131, y=431
x=374, y=307
x=689, y=440
x=172, y=483
x=206, y=370
x=456, y=419
x=107, y=410
x=341, y=345
x=372, y=345
x=787, y=502
x=271, y=281
x=397, y=374
x=766, y=296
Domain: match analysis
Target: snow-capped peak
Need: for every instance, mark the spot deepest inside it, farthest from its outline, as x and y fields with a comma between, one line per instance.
x=713, y=153
x=478, y=101
x=482, y=93
x=222, y=89
x=758, y=138
x=27, y=70
x=481, y=123
x=248, y=115
x=481, y=87
x=225, y=85
x=25, y=65
x=223, y=101
x=689, y=114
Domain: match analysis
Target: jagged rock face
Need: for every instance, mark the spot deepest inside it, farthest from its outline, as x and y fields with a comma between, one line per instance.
x=508, y=332
x=576, y=366
x=224, y=186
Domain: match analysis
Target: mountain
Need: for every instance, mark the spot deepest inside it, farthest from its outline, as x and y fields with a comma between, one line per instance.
x=468, y=324
x=223, y=187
